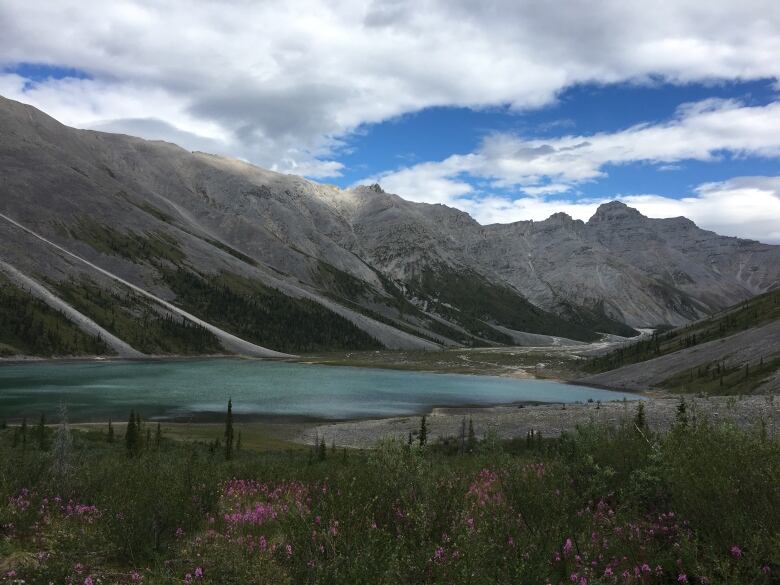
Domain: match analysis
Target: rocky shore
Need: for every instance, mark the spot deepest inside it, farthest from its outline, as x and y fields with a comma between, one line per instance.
x=550, y=420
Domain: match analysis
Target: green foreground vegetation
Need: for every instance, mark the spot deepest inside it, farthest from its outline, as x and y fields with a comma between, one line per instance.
x=127, y=504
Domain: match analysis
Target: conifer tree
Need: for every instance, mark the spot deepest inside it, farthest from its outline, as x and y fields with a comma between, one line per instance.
x=229, y=431
x=238, y=442
x=322, y=451
x=23, y=433
x=423, y=432
x=409, y=444
x=131, y=435
x=110, y=438
x=42, y=433
x=158, y=437
x=682, y=414
x=472, y=440
x=639, y=417
x=63, y=445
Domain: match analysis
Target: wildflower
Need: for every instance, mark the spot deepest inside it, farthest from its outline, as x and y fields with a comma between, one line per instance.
x=438, y=556
x=88, y=581
x=135, y=576
x=682, y=578
x=608, y=572
x=765, y=570
x=736, y=552
x=289, y=550
x=179, y=532
x=567, y=547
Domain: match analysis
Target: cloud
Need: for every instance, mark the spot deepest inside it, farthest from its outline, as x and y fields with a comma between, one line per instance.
x=283, y=84
x=747, y=207
x=700, y=131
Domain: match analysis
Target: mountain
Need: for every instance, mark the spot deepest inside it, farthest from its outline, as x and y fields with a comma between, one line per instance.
x=148, y=248
x=736, y=351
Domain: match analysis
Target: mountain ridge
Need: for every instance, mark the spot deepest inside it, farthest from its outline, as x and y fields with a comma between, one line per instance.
x=408, y=275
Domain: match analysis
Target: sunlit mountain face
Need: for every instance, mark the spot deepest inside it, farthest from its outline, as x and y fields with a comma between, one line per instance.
x=511, y=111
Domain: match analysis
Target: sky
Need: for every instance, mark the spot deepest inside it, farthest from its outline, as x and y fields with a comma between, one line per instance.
x=508, y=109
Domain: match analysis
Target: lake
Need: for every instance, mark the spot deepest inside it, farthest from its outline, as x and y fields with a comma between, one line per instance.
x=199, y=390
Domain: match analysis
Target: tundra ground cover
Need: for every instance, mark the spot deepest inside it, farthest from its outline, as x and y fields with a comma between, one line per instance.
x=700, y=504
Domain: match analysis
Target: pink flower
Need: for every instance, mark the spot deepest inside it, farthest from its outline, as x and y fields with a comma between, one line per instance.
x=88, y=581
x=682, y=578
x=736, y=552
x=608, y=572
x=199, y=572
x=567, y=547
x=135, y=576
x=289, y=550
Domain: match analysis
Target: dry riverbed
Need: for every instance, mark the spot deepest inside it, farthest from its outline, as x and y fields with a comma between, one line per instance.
x=512, y=421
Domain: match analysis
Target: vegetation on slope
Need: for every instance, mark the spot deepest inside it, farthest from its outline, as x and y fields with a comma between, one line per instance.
x=264, y=315
x=135, y=247
x=28, y=326
x=468, y=299
x=754, y=312
x=719, y=378
x=136, y=321
x=600, y=506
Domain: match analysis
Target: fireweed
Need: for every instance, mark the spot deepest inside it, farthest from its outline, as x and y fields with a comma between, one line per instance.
x=699, y=505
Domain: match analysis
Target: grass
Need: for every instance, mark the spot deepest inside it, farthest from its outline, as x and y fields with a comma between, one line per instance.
x=698, y=505
x=152, y=247
x=487, y=361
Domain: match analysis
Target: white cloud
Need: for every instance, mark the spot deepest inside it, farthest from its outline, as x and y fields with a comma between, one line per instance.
x=280, y=83
x=747, y=207
x=700, y=131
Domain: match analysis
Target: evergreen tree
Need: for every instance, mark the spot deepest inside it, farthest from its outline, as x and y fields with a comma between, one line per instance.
x=423, y=432
x=639, y=417
x=110, y=431
x=63, y=445
x=131, y=435
x=158, y=437
x=409, y=444
x=42, y=433
x=682, y=414
x=472, y=440
x=148, y=444
x=15, y=439
x=23, y=433
x=321, y=450
x=238, y=442
x=3, y=425
x=229, y=431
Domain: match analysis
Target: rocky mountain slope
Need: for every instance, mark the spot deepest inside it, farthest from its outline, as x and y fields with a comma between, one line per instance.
x=736, y=351
x=157, y=247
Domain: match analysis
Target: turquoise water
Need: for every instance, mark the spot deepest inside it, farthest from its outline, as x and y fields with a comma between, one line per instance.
x=199, y=390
